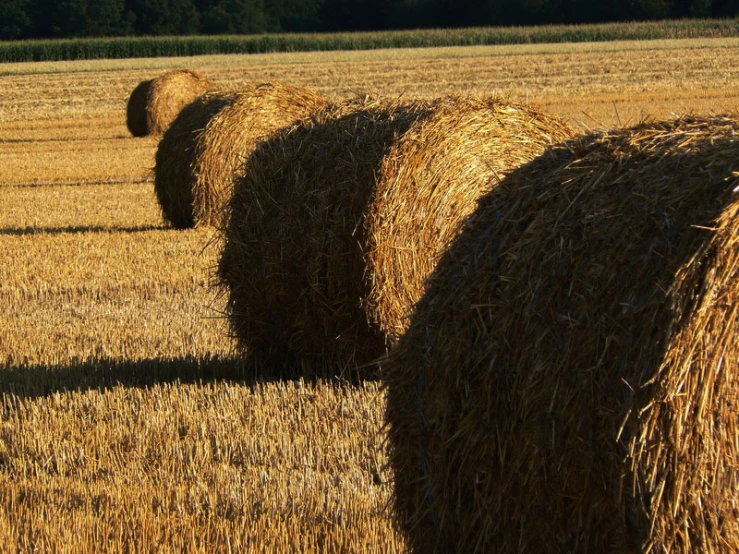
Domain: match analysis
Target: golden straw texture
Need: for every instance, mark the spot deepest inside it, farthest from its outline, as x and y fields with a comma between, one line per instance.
x=208, y=143
x=154, y=104
x=430, y=181
x=568, y=382
x=339, y=218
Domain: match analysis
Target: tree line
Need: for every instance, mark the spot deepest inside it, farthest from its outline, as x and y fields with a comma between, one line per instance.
x=21, y=19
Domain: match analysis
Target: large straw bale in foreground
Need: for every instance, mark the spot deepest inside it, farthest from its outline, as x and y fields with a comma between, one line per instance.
x=338, y=219
x=155, y=103
x=207, y=144
x=569, y=381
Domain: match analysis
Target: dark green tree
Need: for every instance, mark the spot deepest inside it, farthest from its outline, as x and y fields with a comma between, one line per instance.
x=534, y=12
x=699, y=8
x=411, y=14
x=165, y=17
x=68, y=18
x=652, y=9
x=355, y=15
x=725, y=8
x=294, y=15
x=233, y=17
x=90, y=18
x=15, y=20
x=588, y=11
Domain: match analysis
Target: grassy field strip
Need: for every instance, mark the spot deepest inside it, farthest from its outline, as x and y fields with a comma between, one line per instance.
x=61, y=162
x=353, y=56
x=111, y=325
x=128, y=293
x=160, y=46
x=196, y=468
x=39, y=131
x=69, y=208
x=102, y=260
x=579, y=77
x=602, y=111
x=112, y=160
x=73, y=152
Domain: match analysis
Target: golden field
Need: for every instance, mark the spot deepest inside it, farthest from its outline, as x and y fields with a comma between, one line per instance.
x=128, y=422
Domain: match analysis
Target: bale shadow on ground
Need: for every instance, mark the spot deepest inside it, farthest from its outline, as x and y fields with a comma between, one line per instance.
x=75, y=229
x=38, y=380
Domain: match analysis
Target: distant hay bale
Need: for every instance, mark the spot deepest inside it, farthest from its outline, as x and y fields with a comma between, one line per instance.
x=338, y=219
x=209, y=141
x=569, y=382
x=136, y=109
x=174, y=173
x=154, y=104
x=170, y=93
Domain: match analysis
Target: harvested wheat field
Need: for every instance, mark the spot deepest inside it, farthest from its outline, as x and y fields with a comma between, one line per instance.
x=154, y=103
x=338, y=219
x=569, y=381
x=128, y=423
x=208, y=143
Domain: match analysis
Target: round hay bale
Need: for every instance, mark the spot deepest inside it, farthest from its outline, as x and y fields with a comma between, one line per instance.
x=338, y=218
x=569, y=380
x=136, y=109
x=174, y=171
x=209, y=141
x=171, y=92
x=430, y=181
x=154, y=104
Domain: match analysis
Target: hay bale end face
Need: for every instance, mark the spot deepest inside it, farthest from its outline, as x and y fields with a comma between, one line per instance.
x=430, y=181
x=338, y=218
x=136, y=109
x=569, y=380
x=208, y=143
x=155, y=103
x=171, y=92
x=174, y=173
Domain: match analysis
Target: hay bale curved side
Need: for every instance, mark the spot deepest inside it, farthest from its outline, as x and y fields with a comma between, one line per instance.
x=343, y=216
x=292, y=262
x=568, y=382
x=136, y=109
x=174, y=170
x=171, y=92
x=207, y=144
x=431, y=181
x=233, y=133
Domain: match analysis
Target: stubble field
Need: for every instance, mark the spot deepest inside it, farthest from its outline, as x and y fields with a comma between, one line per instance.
x=128, y=423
